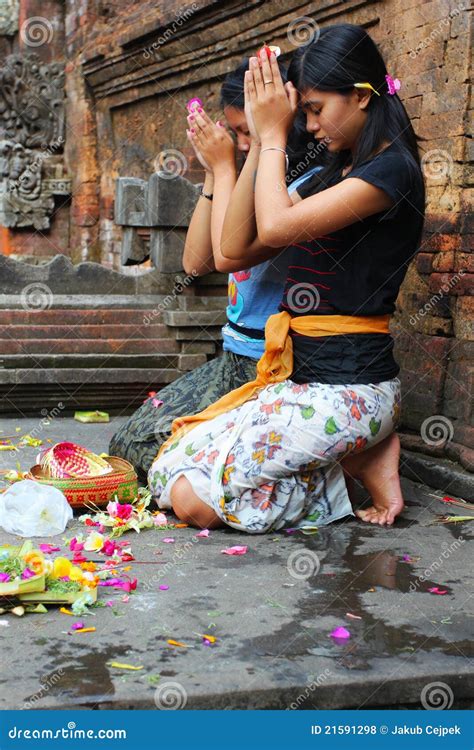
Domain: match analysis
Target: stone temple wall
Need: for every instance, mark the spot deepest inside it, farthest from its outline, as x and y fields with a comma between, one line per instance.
x=129, y=68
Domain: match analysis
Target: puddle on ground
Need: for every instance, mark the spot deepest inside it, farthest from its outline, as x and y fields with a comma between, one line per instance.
x=82, y=673
x=336, y=594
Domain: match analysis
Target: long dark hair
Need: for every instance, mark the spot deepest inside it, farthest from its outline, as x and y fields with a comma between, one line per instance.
x=342, y=55
x=301, y=149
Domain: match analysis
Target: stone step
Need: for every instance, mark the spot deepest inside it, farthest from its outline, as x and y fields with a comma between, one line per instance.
x=181, y=318
x=79, y=317
x=198, y=333
x=154, y=331
x=122, y=396
x=105, y=376
x=47, y=362
x=202, y=303
x=76, y=345
x=84, y=301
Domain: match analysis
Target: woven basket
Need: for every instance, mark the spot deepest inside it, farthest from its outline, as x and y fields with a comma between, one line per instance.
x=121, y=482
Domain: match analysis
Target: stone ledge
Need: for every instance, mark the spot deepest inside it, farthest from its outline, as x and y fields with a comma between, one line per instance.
x=190, y=318
x=87, y=301
x=437, y=473
x=104, y=375
x=62, y=277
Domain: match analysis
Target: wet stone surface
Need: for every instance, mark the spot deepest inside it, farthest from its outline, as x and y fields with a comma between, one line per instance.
x=271, y=611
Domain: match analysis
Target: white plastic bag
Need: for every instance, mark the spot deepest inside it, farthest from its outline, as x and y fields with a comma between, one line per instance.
x=28, y=508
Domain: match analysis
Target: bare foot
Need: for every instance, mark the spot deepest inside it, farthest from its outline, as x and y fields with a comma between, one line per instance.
x=377, y=469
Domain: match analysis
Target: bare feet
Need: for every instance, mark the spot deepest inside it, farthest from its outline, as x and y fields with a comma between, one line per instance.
x=377, y=469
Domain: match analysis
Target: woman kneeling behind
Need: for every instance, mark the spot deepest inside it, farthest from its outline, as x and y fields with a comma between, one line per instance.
x=326, y=399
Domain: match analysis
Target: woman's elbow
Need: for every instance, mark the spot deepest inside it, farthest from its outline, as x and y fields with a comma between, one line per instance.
x=225, y=265
x=269, y=235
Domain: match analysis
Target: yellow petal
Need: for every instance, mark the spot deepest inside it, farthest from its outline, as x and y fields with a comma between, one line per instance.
x=84, y=630
x=210, y=638
x=120, y=665
x=75, y=574
x=61, y=567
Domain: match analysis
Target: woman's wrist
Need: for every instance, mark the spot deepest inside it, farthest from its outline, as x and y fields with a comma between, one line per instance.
x=208, y=182
x=224, y=169
x=274, y=141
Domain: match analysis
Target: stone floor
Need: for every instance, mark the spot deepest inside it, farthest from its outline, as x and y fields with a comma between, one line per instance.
x=272, y=623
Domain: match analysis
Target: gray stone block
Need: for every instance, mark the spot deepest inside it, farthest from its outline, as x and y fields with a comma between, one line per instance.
x=185, y=318
x=61, y=276
x=130, y=202
x=166, y=249
x=171, y=200
x=191, y=361
x=135, y=249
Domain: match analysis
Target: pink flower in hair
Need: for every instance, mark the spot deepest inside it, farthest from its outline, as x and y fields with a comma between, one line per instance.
x=394, y=85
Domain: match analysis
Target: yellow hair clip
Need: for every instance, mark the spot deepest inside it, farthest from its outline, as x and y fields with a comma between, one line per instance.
x=366, y=86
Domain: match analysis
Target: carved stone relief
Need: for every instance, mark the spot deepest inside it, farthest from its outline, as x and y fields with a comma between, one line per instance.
x=32, y=139
x=9, y=12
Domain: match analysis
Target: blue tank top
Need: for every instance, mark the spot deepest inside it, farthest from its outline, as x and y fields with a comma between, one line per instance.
x=254, y=295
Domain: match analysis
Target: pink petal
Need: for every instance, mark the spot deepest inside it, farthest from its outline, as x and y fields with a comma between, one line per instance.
x=160, y=519
x=437, y=590
x=236, y=550
x=125, y=598
x=49, y=548
x=77, y=625
x=168, y=540
x=164, y=587
x=203, y=533
x=340, y=633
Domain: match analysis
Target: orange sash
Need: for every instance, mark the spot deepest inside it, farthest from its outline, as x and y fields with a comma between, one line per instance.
x=276, y=363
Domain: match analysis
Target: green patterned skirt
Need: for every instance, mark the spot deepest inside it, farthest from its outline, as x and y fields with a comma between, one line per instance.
x=139, y=439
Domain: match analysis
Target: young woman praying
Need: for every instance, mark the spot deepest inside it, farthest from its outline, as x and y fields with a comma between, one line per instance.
x=254, y=293
x=272, y=454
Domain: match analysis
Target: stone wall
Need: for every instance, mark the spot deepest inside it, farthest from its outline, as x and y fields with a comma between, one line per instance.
x=130, y=68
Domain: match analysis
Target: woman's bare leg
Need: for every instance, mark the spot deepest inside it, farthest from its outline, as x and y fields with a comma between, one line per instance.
x=377, y=469
x=188, y=507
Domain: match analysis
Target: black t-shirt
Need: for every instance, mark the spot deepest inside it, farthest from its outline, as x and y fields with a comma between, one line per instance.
x=357, y=270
